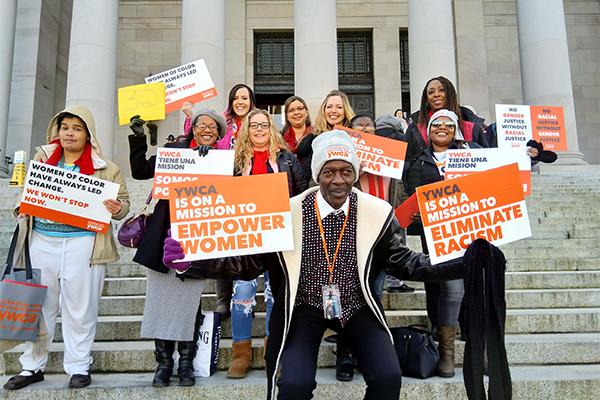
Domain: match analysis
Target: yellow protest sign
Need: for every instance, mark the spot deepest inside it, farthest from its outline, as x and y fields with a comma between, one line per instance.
x=147, y=101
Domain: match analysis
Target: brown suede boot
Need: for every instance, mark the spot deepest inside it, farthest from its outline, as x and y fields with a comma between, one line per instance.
x=242, y=358
x=446, y=336
x=224, y=291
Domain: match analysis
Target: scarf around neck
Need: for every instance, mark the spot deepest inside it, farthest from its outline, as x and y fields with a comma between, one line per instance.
x=84, y=162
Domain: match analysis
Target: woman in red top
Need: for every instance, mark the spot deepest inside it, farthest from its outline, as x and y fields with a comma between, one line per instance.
x=297, y=122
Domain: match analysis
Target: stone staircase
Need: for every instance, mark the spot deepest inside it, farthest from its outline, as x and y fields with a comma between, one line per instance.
x=552, y=324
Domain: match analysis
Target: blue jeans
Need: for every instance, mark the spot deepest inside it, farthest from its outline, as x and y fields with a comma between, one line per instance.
x=242, y=304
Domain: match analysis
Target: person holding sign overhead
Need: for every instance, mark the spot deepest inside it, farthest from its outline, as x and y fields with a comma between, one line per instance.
x=73, y=260
x=343, y=238
x=439, y=93
x=259, y=149
x=429, y=167
x=172, y=310
x=335, y=110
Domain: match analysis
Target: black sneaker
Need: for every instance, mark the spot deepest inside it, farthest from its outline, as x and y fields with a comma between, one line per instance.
x=401, y=289
x=79, y=381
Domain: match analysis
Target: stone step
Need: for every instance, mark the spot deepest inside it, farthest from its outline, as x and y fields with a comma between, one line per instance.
x=528, y=382
x=137, y=356
x=554, y=264
x=542, y=320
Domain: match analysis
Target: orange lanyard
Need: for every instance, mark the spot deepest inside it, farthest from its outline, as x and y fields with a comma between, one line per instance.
x=329, y=264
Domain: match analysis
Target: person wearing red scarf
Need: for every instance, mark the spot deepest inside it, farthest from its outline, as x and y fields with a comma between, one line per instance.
x=297, y=122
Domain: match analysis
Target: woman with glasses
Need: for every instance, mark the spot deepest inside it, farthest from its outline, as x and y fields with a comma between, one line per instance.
x=297, y=122
x=429, y=166
x=172, y=312
x=439, y=93
x=259, y=149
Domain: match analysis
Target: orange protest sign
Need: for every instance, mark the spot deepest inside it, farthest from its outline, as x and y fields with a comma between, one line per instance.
x=379, y=155
x=222, y=217
x=489, y=205
x=548, y=124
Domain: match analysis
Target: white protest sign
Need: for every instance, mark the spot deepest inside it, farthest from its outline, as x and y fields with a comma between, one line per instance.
x=67, y=197
x=189, y=82
x=184, y=165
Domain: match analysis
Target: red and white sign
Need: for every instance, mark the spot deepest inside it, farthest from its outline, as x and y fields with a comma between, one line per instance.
x=489, y=205
x=468, y=161
x=185, y=165
x=189, y=82
x=223, y=217
x=379, y=155
x=517, y=124
x=67, y=197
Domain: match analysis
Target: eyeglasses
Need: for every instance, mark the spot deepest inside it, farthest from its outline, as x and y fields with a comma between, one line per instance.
x=449, y=125
x=203, y=127
x=293, y=110
x=368, y=129
x=255, y=125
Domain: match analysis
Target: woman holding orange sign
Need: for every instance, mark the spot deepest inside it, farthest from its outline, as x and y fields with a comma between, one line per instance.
x=259, y=149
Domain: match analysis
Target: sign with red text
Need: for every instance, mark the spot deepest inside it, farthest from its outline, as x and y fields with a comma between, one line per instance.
x=231, y=216
x=468, y=161
x=67, y=197
x=186, y=165
x=379, y=155
x=488, y=205
x=517, y=124
x=189, y=82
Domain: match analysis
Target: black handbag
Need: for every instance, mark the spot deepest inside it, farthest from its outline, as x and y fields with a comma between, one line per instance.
x=416, y=350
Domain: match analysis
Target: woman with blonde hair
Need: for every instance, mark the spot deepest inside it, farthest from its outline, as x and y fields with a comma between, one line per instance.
x=259, y=149
x=335, y=110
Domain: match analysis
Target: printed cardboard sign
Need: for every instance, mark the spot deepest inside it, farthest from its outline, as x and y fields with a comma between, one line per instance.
x=185, y=165
x=489, y=205
x=67, y=197
x=147, y=101
x=468, y=161
x=517, y=124
x=231, y=216
x=189, y=82
x=380, y=155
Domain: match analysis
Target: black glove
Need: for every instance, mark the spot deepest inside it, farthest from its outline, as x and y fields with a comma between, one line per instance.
x=136, y=125
x=153, y=133
x=203, y=150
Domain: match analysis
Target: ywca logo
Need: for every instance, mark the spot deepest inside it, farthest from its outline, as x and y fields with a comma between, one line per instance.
x=95, y=226
x=338, y=151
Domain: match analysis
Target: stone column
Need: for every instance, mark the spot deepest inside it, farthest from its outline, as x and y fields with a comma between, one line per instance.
x=91, y=80
x=315, y=51
x=8, y=21
x=545, y=68
x=203, y=36
x=431, y=43
x=472, y=84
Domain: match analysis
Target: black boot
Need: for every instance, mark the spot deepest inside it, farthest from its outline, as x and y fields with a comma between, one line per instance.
x=164, y=356
x=187, y=352
x=344, y=363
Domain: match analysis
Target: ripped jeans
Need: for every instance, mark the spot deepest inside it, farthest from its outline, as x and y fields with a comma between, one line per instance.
x=242, y=304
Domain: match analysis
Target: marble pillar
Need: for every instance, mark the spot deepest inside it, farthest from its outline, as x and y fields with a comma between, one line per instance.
x=545, y=68
x=8, y=21
x=315, y=51
x=203, y=36
x=91, y=78
x=431, y=44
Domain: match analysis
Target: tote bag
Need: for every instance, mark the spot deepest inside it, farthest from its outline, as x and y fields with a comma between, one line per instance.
x=207, y=355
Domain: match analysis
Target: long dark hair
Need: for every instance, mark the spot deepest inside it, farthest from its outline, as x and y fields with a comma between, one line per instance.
x=229, y=114
x=451, y=101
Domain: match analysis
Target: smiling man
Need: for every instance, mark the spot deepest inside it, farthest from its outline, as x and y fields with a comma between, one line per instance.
x=343, y=238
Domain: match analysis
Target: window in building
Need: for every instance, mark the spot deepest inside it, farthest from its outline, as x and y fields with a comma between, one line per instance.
x=404, y=70
x=355, y=70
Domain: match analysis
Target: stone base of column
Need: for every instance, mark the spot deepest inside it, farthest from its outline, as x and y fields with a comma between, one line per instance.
x=4, y=172
x=570, y=158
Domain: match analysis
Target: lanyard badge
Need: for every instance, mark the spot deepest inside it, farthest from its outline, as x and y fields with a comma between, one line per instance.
x=331, y=292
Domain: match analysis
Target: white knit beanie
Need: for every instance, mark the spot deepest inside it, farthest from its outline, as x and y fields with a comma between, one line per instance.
x=333, y=145
x=458, y=135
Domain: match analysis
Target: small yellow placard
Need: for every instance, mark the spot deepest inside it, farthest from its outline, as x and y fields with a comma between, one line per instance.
x=147, y=101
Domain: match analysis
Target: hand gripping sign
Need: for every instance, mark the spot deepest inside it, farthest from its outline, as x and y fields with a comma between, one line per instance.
x=463, y=162
x=185, y=165
x=380, y=156
x=189, y=82
x=223, y=217
x=67, y=197
x=489, y=205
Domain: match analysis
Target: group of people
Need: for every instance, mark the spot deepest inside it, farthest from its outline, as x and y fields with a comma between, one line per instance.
x=347, y=241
